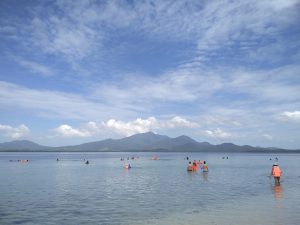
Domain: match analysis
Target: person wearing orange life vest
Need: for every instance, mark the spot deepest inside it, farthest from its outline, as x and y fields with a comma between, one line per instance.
x=195, y=166
x=276, y=173
x=127, y=166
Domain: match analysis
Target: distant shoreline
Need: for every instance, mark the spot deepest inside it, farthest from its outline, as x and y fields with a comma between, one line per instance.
x=142, y=142
x=151, y=151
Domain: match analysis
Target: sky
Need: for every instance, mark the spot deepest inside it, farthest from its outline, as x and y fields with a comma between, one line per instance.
x=219, y=71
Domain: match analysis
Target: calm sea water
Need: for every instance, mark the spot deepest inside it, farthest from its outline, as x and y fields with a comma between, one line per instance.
x=236, y=190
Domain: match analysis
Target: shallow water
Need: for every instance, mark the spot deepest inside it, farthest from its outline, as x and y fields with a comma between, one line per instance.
x=236, y=190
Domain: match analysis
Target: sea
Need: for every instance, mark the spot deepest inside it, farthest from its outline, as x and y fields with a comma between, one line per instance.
x=237, y=190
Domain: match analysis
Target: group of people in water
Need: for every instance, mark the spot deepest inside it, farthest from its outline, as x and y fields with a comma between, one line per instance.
x=127, y=164
x=129, y=157
x=20, y=160
x=193, y=167
x=275, y=172
x=85, y=161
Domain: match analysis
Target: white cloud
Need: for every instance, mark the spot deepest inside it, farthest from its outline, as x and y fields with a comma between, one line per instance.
x=218, y=133
x=111, y=126
x=182, y=85
x=19, y=132
x=282, y=4
x=35, y=67
x=120, y=127
x=267, y=136
x=276, y=85
x=67, y=131
x=192, y=85
x=178, y=121
x=92, y=127
x=292, y=116
x=150, y=124
x=242, y=24
x=129, y=128
x=227, y=119
x=75, y=30
x=56, y=104
x=62, y=36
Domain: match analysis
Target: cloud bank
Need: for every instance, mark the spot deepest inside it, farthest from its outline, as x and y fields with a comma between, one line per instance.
x=19, y=132
x=124, y=128
x=219, y=134
x=291, y=116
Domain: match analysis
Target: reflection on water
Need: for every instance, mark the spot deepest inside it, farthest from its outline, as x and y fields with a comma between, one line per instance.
x=205, y=176
x=277, y=191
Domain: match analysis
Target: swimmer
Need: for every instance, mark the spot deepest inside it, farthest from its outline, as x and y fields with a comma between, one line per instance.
x=127, y=166
x=87, y=162
x=190, y=167
x=205, y=167
x=24, y=160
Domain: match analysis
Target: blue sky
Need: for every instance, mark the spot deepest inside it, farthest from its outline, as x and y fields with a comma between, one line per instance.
x=217, y=71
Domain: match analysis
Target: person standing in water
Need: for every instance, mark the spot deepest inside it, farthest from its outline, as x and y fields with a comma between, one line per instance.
x=190, y=167
x=276, y=173
x=205, y=167
x=195, y=166
x=127, y=166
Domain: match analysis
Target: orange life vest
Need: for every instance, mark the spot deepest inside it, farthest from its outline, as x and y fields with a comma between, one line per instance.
x=276, y=171
x=195, y=167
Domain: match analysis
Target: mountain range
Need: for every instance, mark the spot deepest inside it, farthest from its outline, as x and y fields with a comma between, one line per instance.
x=141, y=142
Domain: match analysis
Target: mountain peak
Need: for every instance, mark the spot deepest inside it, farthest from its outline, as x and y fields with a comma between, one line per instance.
x=21, y=144
x=149, y=133
x=184, y=138
x=18, y=142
